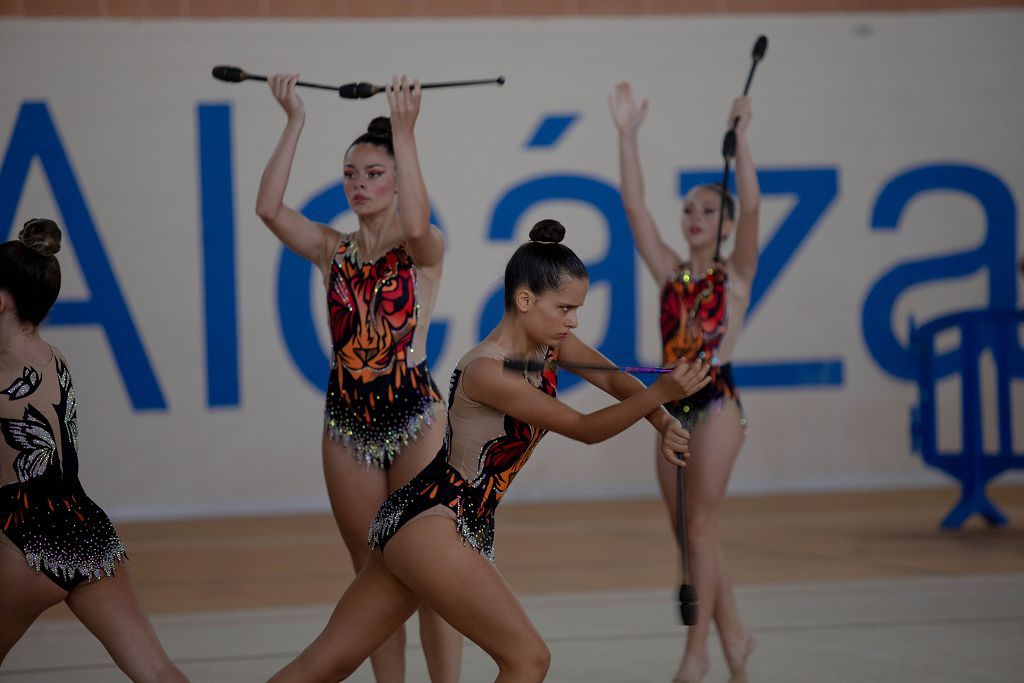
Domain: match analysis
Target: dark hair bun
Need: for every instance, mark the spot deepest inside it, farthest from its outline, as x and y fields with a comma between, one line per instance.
x=380, y=126
x=41, y=235
x=547, y=230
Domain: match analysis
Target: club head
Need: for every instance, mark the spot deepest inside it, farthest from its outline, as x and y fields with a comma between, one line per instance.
x=230, y=74
x=729, y=144
x=523, y=365
x=759, y=48
x=357, y=91
x=688, y=604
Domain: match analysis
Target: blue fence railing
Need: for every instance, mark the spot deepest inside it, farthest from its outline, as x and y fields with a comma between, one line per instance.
x=995, y=331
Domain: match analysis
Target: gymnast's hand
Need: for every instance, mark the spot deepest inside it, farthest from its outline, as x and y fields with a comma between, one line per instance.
x=675, y=442
x=282, y=86
x=625, y=113
x=740, y=110
x=685, y=380
x=404, y=100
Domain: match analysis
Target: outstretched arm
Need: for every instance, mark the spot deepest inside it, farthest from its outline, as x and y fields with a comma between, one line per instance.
x=424, y=242
x=310, y=240
x=674, y=439
x=744, y=256
x=658, y=256
x=487, y=381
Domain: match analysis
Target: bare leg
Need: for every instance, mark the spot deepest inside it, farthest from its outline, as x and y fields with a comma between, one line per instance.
x=111, y=611
x=468, y=592
x=737, y=642
x=373, y=607
x=442, y=644
x=714, y=446
x=356, y=492
x=24, y=595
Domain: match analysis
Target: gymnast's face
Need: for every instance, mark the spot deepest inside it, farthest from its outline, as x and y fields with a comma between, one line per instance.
x=551, y=315
x=369, y=179
x=700, y=218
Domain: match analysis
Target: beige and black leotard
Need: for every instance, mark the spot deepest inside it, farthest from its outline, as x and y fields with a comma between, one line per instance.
x=483, y=450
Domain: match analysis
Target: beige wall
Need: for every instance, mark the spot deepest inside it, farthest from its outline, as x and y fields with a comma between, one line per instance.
x=867, y=96
x=457, y=8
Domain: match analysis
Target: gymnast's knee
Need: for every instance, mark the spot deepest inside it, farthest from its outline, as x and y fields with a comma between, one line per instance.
x=303, y=668
x=531, y=660
x=700, y=528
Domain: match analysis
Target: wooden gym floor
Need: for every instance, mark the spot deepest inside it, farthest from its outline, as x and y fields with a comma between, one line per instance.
x=254, y=562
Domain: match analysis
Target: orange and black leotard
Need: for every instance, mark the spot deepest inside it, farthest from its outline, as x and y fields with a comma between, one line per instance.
x=483, y=450
x=694, y=322
x=378, y=396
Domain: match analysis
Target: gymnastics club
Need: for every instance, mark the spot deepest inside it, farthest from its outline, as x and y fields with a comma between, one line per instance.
x=687, y=593
x=349, y=91
x=523, y=365
x=729, y=142
x=756, y=55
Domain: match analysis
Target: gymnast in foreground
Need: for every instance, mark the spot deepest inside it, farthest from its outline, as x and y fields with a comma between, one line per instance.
x=433, y=538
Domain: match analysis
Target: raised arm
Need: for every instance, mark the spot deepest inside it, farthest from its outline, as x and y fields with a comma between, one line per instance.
x=743, y=261
x=487, y=381
x=424, y=242
x=310, y=240
x=658, y=256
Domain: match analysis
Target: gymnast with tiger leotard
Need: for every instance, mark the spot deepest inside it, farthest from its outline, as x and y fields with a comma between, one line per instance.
x=383, y=415
x=703, y=303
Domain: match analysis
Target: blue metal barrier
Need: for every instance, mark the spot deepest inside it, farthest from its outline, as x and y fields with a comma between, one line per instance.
x=995, y=330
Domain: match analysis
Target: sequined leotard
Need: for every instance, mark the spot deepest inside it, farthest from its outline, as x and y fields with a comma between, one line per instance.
x=483, y=450
x=378, y=397
x=694, y=325
x=43, y=509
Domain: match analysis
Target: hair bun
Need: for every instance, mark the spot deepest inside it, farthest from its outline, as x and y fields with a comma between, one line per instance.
x=380, y=126
x=41, y=235
x=547, y=230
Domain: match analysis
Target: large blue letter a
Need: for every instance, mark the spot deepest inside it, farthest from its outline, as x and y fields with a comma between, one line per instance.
x=35, y=136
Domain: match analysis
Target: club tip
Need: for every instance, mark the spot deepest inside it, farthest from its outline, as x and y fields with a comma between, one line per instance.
x=229, y=74
x=688, y=614
x=501, y=80
x=688, y=604
x=523, y=365
x=760, y=46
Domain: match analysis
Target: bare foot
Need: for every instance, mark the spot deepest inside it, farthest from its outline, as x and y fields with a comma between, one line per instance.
x=736, y=657
x=692, y=670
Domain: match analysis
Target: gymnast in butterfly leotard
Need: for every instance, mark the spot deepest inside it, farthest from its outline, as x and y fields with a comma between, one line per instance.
x=383, y=415
x=56, y=543
x=703, y=302
x=434, y=537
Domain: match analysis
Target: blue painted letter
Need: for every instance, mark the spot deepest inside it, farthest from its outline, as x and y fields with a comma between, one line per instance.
x=35, y=136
